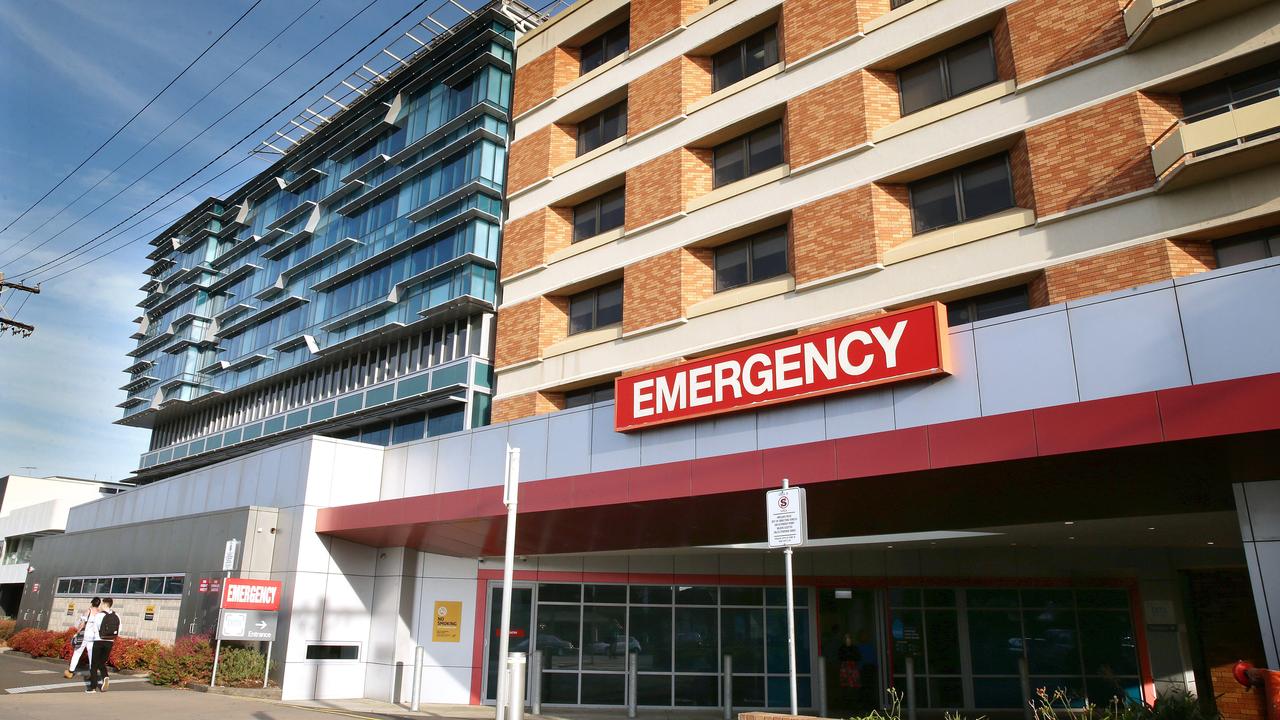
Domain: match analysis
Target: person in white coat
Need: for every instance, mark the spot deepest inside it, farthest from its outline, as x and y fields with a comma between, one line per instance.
x=86, y=644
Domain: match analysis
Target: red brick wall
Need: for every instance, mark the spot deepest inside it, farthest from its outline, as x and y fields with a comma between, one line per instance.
x=1024, y=194
x=662, y=186
x=891, y=205
x=1090, y=155
x=826, y=120
x=811, y=25
x=542, y=77
x=528, y=241
x=661, y=288
x=1000, y=43
x=833, y=235
x=1048, y=35
x=665, y=92
x=521, y=406
x=535, y=155
x=651, y=19
x=1226, y=624
x=1124, y=268
x=527, y=328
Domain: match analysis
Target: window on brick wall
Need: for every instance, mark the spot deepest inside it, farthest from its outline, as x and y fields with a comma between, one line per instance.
x=1248, y=247
x=605, y=126
x=951, y=73
x=1241, y=89
x=748, y=154
x=745, y=58
x=965, y=193
x=895, y=4
x=596, y=308
x=609, y=45
x=599, y=214
x=588, y=395
x=751, y=259
x=988, y=305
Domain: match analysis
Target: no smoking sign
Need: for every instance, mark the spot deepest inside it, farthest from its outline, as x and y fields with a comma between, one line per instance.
x=786, y=517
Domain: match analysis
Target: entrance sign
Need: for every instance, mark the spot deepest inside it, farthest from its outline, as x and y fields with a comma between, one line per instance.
x=447, y=621
x=244, y=594
x=787, y=518
x=898, y=346
x=247, y=625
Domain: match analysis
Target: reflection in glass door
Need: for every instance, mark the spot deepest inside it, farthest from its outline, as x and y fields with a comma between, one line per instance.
x=851, y=650
x=521, y=610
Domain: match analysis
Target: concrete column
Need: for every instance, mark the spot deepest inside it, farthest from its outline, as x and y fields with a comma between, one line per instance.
x=1258, y=507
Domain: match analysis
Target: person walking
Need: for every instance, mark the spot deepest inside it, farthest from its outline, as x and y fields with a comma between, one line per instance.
x=108, y=629
x=85, y=645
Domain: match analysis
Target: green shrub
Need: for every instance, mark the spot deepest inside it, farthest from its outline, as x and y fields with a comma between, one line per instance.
x=240, y=667
x=189, y=660
x=134, y=654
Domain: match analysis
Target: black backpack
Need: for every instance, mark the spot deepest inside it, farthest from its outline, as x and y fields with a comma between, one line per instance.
x=110, y=628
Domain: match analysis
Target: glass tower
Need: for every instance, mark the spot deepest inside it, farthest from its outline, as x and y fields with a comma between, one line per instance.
x=349, y=289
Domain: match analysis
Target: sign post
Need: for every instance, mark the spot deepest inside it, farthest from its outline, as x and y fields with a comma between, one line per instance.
x=510, y=496
x=788, y=522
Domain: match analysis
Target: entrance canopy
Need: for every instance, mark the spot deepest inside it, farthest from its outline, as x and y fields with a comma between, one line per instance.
x=1163, y=452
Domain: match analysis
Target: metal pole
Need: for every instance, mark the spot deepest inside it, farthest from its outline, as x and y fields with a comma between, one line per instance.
x=266, y=665
x=511, y=483
x=911, y=688
x=631, y=684
x=727, y=689
x=822, y=687
x=535, y=682
x=791, y=621
x=1024, y=674
x=416, y=699
x=217, y=650
x=515, y=704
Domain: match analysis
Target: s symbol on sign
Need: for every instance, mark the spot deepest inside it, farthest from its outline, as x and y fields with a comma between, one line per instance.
x=783, y=501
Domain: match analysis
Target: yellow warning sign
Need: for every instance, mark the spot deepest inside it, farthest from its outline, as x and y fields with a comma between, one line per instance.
x=71, y=609
x=447, y=623
x=149, y=613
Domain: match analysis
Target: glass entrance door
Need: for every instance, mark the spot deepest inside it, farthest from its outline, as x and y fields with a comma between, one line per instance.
x=521, y=630
x=850, y=650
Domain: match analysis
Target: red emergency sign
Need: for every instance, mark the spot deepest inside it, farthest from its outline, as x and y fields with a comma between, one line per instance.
x=894, y=347
x=243, y=594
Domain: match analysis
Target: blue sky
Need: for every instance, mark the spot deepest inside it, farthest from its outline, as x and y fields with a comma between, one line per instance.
x=75, y=71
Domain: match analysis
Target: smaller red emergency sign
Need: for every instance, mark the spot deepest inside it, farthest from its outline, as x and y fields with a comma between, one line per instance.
x=242, y=594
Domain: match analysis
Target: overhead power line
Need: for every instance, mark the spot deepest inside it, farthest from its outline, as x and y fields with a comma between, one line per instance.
x=130, y=120
x=155, y=137
x=48, y=265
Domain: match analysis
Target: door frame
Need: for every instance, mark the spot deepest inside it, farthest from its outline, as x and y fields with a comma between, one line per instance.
x=489, y=630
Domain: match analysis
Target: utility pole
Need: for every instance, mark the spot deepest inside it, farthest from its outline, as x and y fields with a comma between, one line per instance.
x=13, y=326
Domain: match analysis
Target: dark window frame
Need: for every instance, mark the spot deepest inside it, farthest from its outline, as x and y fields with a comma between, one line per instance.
x=594, y=294
x=744, y=140
x=940, y=60
x=582, y=397
x=740, y=49
x=603, y=42
x=749, y=242
x=972, y=305
x=895, y=4
x=1267, y=238
x=600, y=120
x=595, y=206
x=957, y=174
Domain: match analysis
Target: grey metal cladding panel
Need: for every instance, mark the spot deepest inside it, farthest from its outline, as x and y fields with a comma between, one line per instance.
x=488, y=457
x=1242, y=512
x=725, y=434
x=1025, y=363
x=1264, y=574
x=611, y=450
x=1263, y=504
x=793, y=424
x=667, y=443
x=950, y=398
x=420, y=468
x=453, y=461
x=569, y=443
x=1231, y=324
x=531, y=437
x=1128, y=345
x=859, y=413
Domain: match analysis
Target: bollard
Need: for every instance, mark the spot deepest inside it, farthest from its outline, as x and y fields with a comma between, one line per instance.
x=822, y=687
x=727, y=688
x=535, y=682
x=417, y=679
x=633, y=659
x=911, y=688
x=1024, y=674
x=515, y=684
